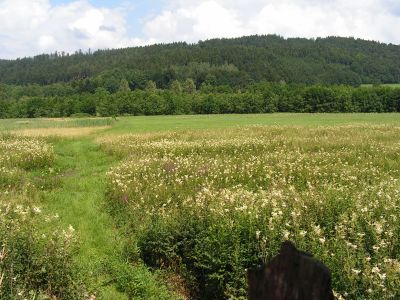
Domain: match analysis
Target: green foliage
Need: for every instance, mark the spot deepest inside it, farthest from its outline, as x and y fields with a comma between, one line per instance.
x=222, y=201
x=236, y=62
x=80, y=115
x=185, y=99
x=197, y=242
x=108, y=272
x=151, y=86
x=137, y=282
x=124, y=86
x=189, y=87
x=176, y=87
x=11, y=179
x=216, y=76
x=35, y=263
x=104, y=106
x=25, y=153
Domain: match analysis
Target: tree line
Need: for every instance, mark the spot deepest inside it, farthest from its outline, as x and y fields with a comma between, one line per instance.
x=185, y=98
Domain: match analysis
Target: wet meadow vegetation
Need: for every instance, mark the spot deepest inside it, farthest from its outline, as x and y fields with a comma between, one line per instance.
x=210, y=204
x=180, y=206
x=34, y=262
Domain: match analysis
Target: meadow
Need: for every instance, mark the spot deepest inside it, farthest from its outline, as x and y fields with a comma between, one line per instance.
x=391, y=85
x=179, y=207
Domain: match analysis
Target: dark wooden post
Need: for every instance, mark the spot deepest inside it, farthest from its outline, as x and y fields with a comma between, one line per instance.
x=291, y=275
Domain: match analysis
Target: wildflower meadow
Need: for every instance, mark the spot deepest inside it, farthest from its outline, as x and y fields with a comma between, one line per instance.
x=207, y=205
x=34, y=263
x=180, y=207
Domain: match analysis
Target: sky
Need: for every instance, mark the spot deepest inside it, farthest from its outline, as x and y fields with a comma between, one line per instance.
x=32, y=27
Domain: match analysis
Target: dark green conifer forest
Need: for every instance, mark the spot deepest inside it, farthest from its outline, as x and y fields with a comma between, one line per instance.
x=254, y=74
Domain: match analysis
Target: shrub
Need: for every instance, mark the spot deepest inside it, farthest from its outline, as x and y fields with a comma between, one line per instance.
x=81, y=115
x=25, y=153
x=35, y=263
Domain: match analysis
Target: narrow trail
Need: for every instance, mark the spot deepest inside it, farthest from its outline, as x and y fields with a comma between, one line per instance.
x=80, y=202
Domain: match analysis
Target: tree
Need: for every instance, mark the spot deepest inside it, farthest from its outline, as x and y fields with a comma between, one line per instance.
x=124, y=86
x=176, y=87
x=189, y=87
x=105, y=105
x=151, y=86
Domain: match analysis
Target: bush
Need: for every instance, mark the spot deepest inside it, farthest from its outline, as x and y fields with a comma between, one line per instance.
x=35, y=263
x=81, y=115
x=25, y=153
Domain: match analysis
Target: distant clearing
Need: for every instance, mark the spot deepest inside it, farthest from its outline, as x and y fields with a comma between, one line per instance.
x=392, y=85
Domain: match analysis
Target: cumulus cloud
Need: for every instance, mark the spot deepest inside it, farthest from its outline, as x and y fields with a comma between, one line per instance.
x=29, y=27
x=191, y=23
x=192, y=20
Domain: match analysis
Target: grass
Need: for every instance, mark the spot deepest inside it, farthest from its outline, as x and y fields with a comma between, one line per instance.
x=80, y=203
x=392, y=85
x=18, y=124
x=212, y=203
x=69, y=132
x=163, y=123
x=80, y=199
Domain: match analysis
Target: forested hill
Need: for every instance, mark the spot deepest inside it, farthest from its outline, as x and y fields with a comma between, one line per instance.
x=233, y=62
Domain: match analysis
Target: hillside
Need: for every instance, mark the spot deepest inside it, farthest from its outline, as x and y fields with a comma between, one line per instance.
x=234, y=62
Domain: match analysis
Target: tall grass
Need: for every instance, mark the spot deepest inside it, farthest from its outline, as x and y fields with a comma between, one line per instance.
x=209, y=204
x=35, y=263
x=17, y=124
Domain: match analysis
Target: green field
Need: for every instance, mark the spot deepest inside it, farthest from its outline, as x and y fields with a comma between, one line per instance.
x=15, y=124
x=391, y=85
x=168, y=207
x=162, y=123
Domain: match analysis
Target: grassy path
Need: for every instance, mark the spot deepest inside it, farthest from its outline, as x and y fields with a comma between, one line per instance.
x=80, y=202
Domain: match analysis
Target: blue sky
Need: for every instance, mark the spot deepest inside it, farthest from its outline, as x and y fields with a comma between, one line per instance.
x=136, y=11
x=31, y=27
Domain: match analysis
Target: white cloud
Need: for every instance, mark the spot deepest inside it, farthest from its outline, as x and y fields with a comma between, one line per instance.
x=29, y=27
x=191, y=23
x=192, y=20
